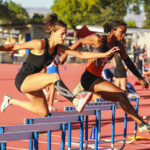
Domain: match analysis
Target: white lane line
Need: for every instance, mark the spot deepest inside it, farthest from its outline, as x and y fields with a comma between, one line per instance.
x=16, y=148
x=66, y=136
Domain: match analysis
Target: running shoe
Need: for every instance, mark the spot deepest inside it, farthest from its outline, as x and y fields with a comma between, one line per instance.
x=57, y=100
x=132, y=95
x=5, y=103
x=144, y=127
x=51, y=108
x=84, y=98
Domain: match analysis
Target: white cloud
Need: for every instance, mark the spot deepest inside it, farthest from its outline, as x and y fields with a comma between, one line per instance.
x=137, y=18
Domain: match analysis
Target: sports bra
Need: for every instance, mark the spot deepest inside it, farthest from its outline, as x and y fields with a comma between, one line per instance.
x=95, y=66
x=38, y=62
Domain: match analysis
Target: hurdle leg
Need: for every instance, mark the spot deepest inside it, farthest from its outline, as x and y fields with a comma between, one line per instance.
x=113, y=127
x=36, y=136
x=29, y=121
x=86, y=132
x=49, y=140
x=69, y=129
x=63, y=136
x=81, y=132
x=69, y=132
x=99, y=124
x=125, y=131
x=96, y=130
x=135, y=124
x=2, y=145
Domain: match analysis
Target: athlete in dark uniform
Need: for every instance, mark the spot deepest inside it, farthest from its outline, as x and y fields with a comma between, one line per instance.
x=120, y=73
x=34, y=64
x=30, y=80
x=92, y=80
x=120, y=70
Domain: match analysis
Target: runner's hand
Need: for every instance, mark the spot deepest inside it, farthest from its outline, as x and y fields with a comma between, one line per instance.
x=112, y=51
x=144, y=84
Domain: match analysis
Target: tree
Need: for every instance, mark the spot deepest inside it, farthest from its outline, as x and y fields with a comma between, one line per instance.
x=93, y=12
x=106, y=11
x=131, y=24
x=18, y=13
x=134, y=6
x=146, y=4
x=38, y=18
x=3, y=10
x=12, y=13
x=72, y=12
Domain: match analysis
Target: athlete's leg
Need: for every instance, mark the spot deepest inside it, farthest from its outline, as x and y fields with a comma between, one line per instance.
x=37, y=103
x=111, y=92
x=51, y=93
x=117, y=83
x=78, y=89
x=121, y=82
x=32, y=87
x=38, y=81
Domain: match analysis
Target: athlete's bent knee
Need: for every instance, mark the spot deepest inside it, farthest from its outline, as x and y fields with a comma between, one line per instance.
x=122, y=96
x=43, y=113
x=54, y=77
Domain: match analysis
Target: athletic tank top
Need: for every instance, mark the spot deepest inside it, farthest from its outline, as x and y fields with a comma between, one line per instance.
x=95, y=66
x=119, y=71
x=35, y=63
x=119, y=63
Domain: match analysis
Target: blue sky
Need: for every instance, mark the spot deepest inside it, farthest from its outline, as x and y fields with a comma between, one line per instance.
x=35, y=3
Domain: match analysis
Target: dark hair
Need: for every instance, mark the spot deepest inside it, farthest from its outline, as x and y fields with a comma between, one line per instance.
x=115, y=23
x=53, y=23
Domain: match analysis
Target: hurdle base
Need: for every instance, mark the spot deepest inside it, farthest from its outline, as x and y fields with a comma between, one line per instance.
x=89, y=146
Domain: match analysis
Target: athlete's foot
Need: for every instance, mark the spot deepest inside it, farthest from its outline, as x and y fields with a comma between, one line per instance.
x=5, y=103
x=51, y=108
x=83, y=99
x=144, y=127
x=56, y=100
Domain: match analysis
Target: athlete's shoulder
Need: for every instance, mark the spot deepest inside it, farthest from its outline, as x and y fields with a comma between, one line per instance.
x=94, y=36
x=39, y=43
x=99, y=40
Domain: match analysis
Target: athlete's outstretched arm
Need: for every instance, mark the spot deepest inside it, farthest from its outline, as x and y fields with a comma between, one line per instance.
x=132, y=67
x=87, y=55
x=63, y=58
x=34, y=44
x=93, y=40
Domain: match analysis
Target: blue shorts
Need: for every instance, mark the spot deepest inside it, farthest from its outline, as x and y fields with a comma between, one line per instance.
x=107, y=74
x=52, y=69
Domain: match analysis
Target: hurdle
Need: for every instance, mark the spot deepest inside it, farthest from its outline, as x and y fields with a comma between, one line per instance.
x=57, y=116
x=112, y=141
x=62, y=118
x=135, y=99
x=125, y=123
x=135, y=124
x=98, y=107
x=23, y=132
x=66, y=118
